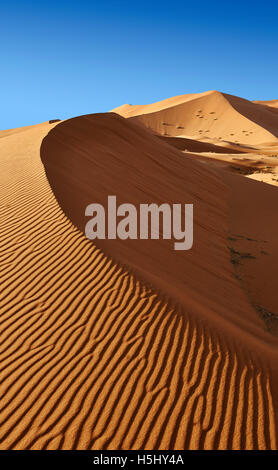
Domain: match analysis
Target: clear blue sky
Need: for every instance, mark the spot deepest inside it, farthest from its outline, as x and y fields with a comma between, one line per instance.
x=62, y=59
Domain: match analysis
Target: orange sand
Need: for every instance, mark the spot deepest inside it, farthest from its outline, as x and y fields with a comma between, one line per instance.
x=129, y=344
x=272, y=103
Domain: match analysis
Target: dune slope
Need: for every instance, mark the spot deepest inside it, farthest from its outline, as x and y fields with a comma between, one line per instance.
x=122, y=344
x=209, y=115
x=271, y=103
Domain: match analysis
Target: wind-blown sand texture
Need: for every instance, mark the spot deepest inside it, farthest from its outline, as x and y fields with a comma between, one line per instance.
x=129, y=344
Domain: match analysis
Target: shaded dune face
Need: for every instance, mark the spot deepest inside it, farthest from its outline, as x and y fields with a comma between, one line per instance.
x=193, y=365
x=265, y=117
x=90, y=157
x=192, y=145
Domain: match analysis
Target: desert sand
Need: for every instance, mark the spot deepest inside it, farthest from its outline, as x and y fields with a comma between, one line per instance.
x=128, y=344
x=271, y=103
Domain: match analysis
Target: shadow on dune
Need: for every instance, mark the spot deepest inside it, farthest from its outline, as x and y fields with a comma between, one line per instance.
x=90, y=157
x=191, y=145
x=262, y=115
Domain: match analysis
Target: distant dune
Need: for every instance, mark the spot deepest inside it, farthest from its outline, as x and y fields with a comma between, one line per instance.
x=210, y=115
x=271, y=103
x=129, y=344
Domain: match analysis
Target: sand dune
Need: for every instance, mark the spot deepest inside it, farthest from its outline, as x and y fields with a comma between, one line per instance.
x=129, y=344
x=199, y=146
x=271, y=103
x=211, y=114
x=216, y=124
x=259, y=271
x=8, y=132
